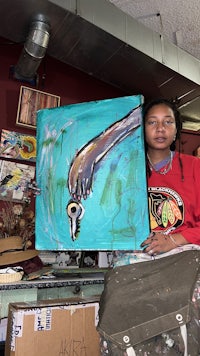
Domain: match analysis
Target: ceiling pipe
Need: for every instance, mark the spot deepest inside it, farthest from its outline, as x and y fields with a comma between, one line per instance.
x=34, y=50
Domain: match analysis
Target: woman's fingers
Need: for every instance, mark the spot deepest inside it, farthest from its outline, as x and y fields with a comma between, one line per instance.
x=156, y=243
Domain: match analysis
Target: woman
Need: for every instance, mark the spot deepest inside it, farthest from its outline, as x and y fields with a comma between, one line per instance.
x=174, y=205
x=173, y=182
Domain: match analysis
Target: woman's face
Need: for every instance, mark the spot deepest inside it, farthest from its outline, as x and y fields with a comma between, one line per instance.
x=160, y=127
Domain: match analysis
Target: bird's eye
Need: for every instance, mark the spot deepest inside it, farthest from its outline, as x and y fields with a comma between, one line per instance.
x=75, y=210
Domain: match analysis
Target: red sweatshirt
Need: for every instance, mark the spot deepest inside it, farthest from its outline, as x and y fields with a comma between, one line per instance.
x=175, y=203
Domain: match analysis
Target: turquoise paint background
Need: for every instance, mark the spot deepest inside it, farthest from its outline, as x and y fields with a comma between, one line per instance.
x=116, y=212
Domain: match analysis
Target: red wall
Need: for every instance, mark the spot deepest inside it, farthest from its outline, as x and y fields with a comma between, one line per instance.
x=189, y=141
x=63, y=80
x=70, y=84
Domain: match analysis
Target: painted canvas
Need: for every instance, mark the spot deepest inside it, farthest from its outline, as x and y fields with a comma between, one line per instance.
x=90, y=170
x=16, y=145
x=14, y=179
x=31, y=100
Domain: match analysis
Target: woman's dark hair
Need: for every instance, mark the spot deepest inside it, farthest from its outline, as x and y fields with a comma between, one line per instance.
x=178, y=121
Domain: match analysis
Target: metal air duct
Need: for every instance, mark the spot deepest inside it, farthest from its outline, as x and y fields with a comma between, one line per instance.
x=34, y=50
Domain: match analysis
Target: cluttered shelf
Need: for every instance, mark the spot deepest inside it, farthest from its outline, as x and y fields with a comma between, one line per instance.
x=55, y=285
x=60, y=278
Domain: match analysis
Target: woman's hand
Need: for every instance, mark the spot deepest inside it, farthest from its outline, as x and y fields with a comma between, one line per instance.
x=158, y=242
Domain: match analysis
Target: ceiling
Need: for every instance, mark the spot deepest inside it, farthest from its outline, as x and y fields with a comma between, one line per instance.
x=178, y=21
x=82, y=44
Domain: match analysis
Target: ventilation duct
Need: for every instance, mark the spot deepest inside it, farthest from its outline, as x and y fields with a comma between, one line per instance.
x=34, y=50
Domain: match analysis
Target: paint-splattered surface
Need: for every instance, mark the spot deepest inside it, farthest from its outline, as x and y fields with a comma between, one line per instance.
x=166, y=338
x=113, y=205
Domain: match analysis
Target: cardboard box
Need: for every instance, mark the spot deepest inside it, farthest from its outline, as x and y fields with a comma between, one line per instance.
x=53, y=328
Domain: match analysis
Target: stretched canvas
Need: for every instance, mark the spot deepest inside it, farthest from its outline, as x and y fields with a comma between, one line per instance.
x=90, y=170
x=16, y=145
x=14, y=180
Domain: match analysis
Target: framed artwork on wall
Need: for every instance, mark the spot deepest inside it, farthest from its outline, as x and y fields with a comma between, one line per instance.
x=16, y=145
x=14, y=178
x=30, y=101
x=90, y=169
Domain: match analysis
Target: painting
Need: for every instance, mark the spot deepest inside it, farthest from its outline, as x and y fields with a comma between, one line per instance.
x=90, y=169
x=17, y=146
x=30, y=101
x=14, y=178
